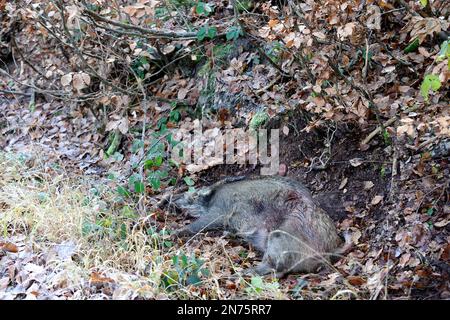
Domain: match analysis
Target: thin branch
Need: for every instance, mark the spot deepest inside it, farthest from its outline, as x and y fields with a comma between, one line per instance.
x=377, y=130
x=155, y=33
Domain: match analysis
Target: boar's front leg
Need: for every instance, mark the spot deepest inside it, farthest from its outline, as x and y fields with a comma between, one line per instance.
x=204, y=223
x=262, y=269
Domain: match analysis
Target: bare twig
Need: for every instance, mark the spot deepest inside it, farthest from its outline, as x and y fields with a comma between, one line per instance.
x=80, y=54
x=377, y=130
x=14, y=44
x=152, y=32
x=19, y=93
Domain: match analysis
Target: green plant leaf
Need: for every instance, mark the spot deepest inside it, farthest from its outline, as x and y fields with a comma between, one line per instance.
x=201, y=34
x=444, y=53
x=212, y=32
x=189, y=181
x=168, y=244
x=412, y=46
x=258, y=120
x=257, y=283
x=139, y=187
x=123, y=231
x=175, y=116
x=233, y=33
x=123, y=192
x=424, y=3
x=155, y=182
x=88, y=228
x=193, y=279
x=206, y=32
x=128, y=212
x=184, y=261
x=137, y=145
x=158, y=161
x=430, y=81
x=203, y=8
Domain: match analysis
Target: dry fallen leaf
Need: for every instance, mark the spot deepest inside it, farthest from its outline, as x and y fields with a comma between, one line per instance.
x=66, y=80
x=182, y=93
x=355, y=162
x=81, y=81
x=356, y=281
x=374, y=19
x=442, y=223
x=9, y=247
x=356, y=235
x=343, y=183
x=368, y=185
x=99, y=280
x=376, y=200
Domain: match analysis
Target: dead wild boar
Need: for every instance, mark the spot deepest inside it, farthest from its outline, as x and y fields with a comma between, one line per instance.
x=277, y=215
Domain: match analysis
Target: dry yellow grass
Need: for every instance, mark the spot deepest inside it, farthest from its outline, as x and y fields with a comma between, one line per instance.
x=50, y=209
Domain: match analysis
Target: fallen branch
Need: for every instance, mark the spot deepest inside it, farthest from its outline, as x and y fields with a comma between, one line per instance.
x=155, y=33
x=19, y=93
x=377, y=130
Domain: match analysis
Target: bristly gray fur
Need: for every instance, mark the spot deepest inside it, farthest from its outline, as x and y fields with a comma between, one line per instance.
x=275, y=214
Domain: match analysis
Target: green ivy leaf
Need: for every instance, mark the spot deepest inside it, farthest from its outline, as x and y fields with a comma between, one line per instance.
x=168, y=244
x=193, y=279
x=257, y=283
x=189, y=181
x=155, y=182
x=258, y=120
x=123, y=192
x=88, y=228
x=234, y=33
x=123, y=231
x=175, y=116
x=158, y=161
x=137, y=145
x=148, y=164
x=203, y=8
x=430, y=81
x=184, y=261
x=212, y=32
x=206, y=32
x=128, y=212
x=139, y=187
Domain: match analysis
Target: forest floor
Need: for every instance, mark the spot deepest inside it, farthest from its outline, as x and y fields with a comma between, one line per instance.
x=76, y=223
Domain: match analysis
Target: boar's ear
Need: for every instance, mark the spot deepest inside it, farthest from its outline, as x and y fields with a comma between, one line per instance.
x=205, y=195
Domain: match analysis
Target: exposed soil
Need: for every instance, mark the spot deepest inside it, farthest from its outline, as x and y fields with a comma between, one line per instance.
x=346, y=187
x=297, y=151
